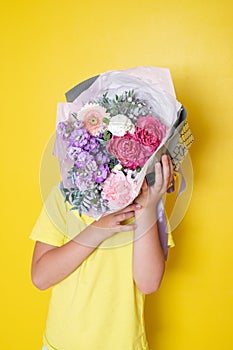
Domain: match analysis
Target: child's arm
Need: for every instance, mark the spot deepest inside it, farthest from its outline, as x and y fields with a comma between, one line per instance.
x=148, y=257
x=52, y=264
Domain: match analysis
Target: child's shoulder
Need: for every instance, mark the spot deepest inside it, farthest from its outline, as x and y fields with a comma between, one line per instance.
x=50, y=226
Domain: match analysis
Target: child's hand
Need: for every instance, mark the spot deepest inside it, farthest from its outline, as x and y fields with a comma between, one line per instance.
x=112, y=223
x=150, y=196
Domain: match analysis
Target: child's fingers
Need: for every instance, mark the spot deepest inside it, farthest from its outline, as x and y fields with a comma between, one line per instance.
x=166, y=172
x=158, y=176
x=124, y=216
x=171, y=170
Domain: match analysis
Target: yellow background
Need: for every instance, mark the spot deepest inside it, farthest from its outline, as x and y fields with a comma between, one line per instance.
x=48, y=47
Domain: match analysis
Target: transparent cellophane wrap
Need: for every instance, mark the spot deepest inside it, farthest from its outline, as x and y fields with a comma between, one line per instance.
x=150, y=84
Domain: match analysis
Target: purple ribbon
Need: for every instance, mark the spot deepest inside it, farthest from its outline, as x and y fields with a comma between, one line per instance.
x=162, y=225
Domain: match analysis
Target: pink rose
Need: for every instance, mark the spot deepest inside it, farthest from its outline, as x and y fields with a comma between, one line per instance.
x=150, y=131
x=118, y=189
x=130, y=152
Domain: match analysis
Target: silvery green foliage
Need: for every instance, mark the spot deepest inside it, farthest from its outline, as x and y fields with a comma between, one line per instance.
x=84, y=201
x=127, y=104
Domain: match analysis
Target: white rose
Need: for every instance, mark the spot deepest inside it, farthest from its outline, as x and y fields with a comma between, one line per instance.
x=120, y=124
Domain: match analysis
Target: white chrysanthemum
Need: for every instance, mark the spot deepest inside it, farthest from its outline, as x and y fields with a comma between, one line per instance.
x=92, y=116
x=120, y=124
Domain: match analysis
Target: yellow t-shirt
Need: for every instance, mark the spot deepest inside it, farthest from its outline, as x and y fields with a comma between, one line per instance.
x=98, y=306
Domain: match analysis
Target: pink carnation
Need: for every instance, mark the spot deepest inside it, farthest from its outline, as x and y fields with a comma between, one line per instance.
x=148, y=139
x=150, y=132
x=129, y=151
x=118, y=189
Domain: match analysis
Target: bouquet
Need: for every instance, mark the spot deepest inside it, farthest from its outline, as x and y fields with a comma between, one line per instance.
x=110, y=136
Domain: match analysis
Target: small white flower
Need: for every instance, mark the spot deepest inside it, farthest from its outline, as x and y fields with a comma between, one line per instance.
x=116, y=168
x=120, y=124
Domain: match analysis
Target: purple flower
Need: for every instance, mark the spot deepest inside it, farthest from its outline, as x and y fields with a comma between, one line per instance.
x=79, y=137
x=102, y=158
x=101, y=135
x=73, y=152
x=91, y=166
x=102, y=173
x=87, y=169
x=62, y=129
x=84, y=181
x=92, y=145
x=82, y=159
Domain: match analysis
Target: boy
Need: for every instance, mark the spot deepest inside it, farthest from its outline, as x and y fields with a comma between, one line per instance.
x=98, y=293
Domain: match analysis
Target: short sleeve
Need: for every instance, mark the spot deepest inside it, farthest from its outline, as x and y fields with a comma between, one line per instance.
x=50, y=226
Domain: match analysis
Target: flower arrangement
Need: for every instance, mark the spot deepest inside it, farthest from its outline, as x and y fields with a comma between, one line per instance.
x=108, y=142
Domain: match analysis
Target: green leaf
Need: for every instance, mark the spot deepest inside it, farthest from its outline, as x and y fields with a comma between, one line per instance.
x=74, y=115
x=73, y=208
x=106, y=120
x=107, y=135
